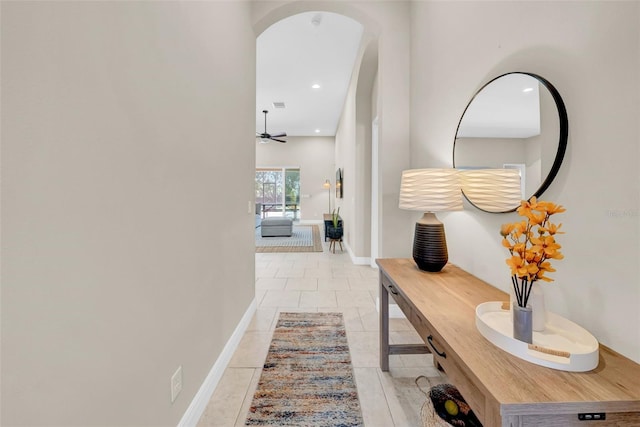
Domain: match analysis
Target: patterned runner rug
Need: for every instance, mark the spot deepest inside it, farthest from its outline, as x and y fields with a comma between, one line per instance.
x=307, y=379
x=305, y=238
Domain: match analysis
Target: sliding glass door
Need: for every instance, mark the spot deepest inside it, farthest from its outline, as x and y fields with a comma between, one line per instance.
x=292, y=192
x=278, y=192
x=269, y=185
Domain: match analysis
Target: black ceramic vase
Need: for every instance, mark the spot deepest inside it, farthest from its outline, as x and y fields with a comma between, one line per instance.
x=334, y=232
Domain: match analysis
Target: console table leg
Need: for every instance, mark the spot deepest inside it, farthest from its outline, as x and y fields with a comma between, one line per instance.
x=384, y=327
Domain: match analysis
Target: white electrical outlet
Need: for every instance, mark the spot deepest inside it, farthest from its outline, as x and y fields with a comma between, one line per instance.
x=176, y=384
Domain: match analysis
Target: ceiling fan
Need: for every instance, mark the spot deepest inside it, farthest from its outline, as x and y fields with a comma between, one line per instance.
x=266, y=137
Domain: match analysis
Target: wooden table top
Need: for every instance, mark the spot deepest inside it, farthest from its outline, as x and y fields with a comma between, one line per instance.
x=448, y=300
x=329, y=217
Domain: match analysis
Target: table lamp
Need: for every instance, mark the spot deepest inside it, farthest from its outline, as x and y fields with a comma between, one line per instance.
x=492, y=190
x=429, y=191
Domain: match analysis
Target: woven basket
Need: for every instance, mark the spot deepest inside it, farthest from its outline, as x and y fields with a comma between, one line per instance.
x=427, y=412
x=429, y=416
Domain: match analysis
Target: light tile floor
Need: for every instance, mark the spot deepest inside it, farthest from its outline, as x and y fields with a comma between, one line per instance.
x=325, y=282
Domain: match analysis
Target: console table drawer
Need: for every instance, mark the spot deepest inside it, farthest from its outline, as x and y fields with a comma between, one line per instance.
x=442, y=355
x=399, y=299
x=421, y=326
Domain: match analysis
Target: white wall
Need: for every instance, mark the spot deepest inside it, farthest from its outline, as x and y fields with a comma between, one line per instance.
x=363, y=162
x=353, y=151
x=346, y=160
x=127, y=248
x=490, y=152
x=314, y=155
x=590, y=51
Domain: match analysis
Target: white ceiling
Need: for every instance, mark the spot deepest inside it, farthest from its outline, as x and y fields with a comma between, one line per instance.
x=291, y=56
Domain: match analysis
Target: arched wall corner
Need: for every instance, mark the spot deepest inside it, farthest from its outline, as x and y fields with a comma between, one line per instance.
x=362, y=213
x=353, y=151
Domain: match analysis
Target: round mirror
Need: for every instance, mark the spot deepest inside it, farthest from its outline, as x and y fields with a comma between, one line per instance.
x=516, y=121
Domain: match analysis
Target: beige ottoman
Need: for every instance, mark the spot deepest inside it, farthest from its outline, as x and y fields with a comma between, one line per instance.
x=272, y=227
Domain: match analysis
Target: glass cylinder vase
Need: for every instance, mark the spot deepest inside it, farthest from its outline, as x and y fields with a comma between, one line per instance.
x=523, y=323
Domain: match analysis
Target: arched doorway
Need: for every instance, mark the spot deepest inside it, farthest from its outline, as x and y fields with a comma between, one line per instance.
x=353, y=149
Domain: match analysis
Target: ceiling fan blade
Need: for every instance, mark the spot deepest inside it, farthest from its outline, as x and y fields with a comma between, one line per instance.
x=279, y=140
x=278, y=135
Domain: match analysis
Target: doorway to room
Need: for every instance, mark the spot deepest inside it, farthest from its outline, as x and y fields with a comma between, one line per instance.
x=278, y=192
x=308, y=25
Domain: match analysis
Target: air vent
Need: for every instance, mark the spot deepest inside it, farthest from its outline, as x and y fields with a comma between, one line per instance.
x=278, y=104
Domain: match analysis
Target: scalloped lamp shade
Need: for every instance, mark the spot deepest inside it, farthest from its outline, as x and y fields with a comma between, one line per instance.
x=430, y=190
x=492, y=190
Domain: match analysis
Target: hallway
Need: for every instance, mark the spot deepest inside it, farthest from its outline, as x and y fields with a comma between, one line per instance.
x=325, y=282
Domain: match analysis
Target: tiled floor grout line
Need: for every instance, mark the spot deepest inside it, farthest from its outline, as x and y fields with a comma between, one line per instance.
x=387, y=398
x=248, y=398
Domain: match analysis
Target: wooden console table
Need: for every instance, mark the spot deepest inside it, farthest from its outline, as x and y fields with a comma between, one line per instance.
x=502, y=389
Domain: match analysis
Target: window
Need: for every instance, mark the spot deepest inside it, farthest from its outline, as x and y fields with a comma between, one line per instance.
x=278, y=192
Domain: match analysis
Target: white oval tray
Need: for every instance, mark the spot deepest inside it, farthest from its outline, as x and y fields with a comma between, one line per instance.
x=562, y=345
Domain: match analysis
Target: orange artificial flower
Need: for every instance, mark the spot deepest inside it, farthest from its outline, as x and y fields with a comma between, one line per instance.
x=506, y=229
x=551, y=208
x=552, y=229
x=531, y=243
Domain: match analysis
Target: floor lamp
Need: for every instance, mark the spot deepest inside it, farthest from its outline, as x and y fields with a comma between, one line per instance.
x=327, y=185
x=429, y=191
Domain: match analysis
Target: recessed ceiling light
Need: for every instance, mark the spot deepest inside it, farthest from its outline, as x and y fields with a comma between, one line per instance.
x=317, y=19
x=529, y=89
x=315, y=86
x=317, y=130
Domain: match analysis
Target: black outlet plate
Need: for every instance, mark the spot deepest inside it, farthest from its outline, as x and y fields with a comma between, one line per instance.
x=592, y=416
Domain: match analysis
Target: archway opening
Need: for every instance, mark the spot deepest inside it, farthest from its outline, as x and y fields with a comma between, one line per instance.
x=354, y=156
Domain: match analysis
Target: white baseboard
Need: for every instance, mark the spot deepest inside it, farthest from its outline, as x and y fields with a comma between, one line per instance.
x=201, y=399
x=355, y=259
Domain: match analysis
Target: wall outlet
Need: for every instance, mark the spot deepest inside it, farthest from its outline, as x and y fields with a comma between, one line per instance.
x=176, y=384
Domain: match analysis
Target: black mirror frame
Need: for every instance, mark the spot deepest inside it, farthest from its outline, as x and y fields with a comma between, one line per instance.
x=563, y=137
